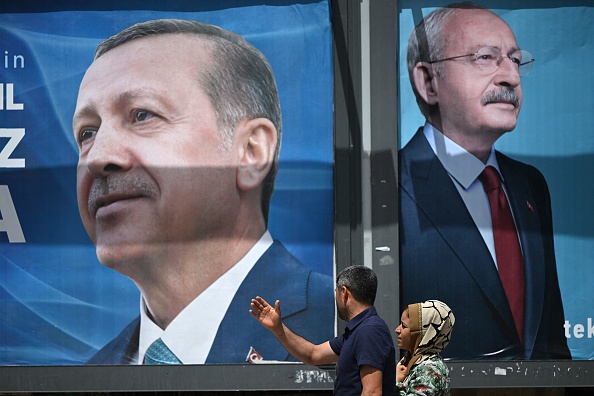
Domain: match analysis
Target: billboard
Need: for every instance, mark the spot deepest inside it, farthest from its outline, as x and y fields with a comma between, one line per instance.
x=442, y=253
x=58, y=304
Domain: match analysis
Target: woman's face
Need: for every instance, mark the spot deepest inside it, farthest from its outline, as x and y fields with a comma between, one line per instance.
x=403, y=331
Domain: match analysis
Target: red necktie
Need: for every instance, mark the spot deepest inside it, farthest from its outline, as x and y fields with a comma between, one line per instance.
x=510, y=262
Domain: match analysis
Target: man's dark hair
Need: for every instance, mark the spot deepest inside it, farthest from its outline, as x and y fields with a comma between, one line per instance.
x=361, y=281
x=239, y=82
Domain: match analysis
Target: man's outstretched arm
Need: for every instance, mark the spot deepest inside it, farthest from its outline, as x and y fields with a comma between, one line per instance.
x=302, y=349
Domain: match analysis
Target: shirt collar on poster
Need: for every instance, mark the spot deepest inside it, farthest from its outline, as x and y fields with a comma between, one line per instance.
x=191, y=344
x=462, y=166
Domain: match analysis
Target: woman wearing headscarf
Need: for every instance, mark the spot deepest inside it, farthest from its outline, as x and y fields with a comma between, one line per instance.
x=424, y=330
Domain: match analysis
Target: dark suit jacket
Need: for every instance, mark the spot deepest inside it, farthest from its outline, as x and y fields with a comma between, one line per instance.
x=307, y=306
x=443, y=256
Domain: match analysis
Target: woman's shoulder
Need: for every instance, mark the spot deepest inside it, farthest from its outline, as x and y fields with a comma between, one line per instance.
x=430, y=377
x=434, y=364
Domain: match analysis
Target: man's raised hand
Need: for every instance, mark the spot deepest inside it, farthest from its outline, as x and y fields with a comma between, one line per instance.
x=266, y=314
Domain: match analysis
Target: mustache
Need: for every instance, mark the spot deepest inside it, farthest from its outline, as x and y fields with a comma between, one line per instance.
x=120, y=187
x=502, y=95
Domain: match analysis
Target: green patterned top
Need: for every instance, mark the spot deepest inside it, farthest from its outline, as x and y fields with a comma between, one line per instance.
x=430, y=377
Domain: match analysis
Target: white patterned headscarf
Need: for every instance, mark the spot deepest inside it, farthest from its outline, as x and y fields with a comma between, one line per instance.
x=431, y=324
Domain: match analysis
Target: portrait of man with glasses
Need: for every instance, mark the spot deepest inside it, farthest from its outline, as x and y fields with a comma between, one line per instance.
x=476, y=225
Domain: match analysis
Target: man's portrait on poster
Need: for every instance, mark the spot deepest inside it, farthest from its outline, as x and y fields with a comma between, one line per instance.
x=175, y=175
x=476, y=225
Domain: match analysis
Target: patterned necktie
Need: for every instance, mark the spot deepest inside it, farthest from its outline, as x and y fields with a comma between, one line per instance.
x=158, y=353
x=510, y=262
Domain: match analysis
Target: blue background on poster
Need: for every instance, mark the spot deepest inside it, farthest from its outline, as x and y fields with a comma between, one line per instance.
x=57, y=303
x=554, y=133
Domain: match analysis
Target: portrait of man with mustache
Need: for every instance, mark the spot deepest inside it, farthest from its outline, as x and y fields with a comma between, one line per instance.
x=475, y=225
x=178, y=126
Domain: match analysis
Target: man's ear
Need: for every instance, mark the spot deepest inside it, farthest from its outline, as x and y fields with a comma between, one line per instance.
x=345, y=294
x=425, y=82
x=257, y=139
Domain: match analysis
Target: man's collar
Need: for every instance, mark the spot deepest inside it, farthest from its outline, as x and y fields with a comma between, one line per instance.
x=188, y=343
x=461, y=165
x=358, y=319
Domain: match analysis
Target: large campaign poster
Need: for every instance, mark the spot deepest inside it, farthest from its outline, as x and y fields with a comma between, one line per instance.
x=58, y=304
x=554, y=135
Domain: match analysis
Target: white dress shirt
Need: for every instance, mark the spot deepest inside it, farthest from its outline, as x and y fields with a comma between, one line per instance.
x=464, y=170
x=191, y=334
